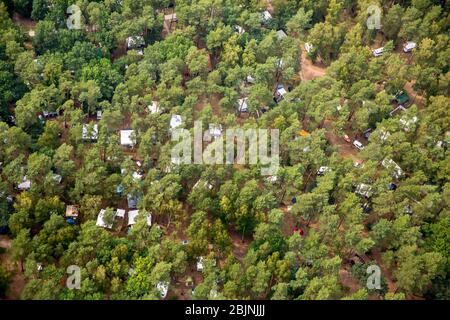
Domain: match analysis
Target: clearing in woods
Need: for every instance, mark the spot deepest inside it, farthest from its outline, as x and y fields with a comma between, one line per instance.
x=309, y=70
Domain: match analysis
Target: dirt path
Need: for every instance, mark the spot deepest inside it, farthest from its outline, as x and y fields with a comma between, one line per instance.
x=385, y=272
x=213, y=100
x=309, y=70
x=416, y=99
x=269, y=6
x=18, y=280
x=240, y=245
x=348, y=281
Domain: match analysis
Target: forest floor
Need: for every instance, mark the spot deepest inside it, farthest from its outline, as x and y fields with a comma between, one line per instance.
x=310, y=70
x=350, y=283
x=18, y=280
x=345, y=149
x=416, y=99
x=387, y=274
x=240, y=245
x=28, y=25
x=213, y=100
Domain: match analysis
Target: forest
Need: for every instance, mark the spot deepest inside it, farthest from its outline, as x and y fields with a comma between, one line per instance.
x=93, y=207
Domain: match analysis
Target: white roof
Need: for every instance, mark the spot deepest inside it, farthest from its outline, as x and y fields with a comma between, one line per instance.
x=175, y=121
x=239, y=29
x=323, y=169
x=242, y=105
x=120, y=213
x=126, y=139
x=163, y=288
x=135, y=41
x=205, y=183
x=308, y=47
x=385, y=135
x=410, y=45
x=137, y=176
x=25, y=185
x=281, y=91
x=357, y=143
x=378, y=52
x=200, y=264
x=57, y=178
x=94, y=132
x=154, y=107
x=364, y=190
x=280, y=63
x=391, y=164
x=100, y=221
x=408, y=122
x=132, y=215
x=266, y=15
x=281, y=34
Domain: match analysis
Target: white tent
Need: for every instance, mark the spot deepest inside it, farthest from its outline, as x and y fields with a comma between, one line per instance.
x=322, y=170
x=242, y=105
x=266, y=16
x=364, y=190
x=163, y=288
x=120, y=213
x=281, y=91
x=392, y=165
x=137, y=176
x=57, y=178
x=93, y=135
x=25, y=184
x=132, y=215
x=175, y=121
x=239, y=30
x=135, y=42
x=154, y=107
x=205, y=184
x=409, y=46
x=200, y=264
x=308, y=47
x=126, y=138
x=281, y=34
x=101, y=222
x=378, y=52
x=407, y=123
